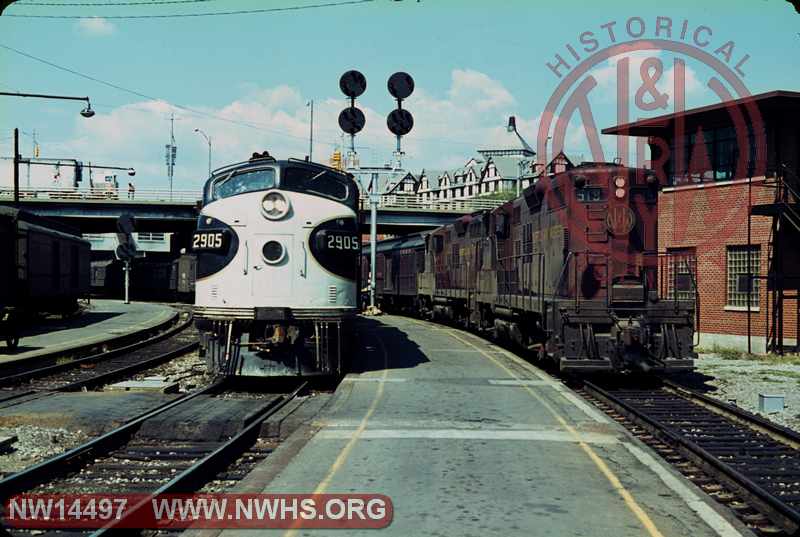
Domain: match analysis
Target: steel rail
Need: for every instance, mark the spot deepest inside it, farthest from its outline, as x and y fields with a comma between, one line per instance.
x=777, y=432
x=18, y=378
x=204, y=469
x=65, y=462
x=107, y=377
x=789, y=517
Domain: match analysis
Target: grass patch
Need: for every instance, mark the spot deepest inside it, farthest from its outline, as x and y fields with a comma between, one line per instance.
x=769, y=380
x=734, y=354
x=779, y=373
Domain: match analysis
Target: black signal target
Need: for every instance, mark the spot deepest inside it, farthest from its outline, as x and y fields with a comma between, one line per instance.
x=353, y=84
x=400, y=122
x=400, y=85
x=351, y=120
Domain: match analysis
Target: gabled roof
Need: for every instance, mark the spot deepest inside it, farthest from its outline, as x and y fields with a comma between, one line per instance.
x=561, y=159
x=433, y=178
x=408, y=178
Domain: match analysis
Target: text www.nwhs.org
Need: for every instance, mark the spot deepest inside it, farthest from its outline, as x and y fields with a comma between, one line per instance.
x=43, y=511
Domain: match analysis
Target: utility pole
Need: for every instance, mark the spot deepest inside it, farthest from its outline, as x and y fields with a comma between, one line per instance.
x=16, y=167
x=171, y=151
x=522, y=165
x=311, y=133
x=35, y=153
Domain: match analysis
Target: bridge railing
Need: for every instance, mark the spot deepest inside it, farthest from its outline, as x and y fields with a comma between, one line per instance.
x=388, y=201
x=413, y=203
x=102, y=194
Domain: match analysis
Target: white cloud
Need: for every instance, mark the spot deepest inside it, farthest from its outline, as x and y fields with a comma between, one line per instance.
x=479, y=89
x=606, y=77
x=95, y=27
x=447, y=131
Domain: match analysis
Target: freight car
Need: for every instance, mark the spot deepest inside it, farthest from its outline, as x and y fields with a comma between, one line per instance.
x=44, y=267
x=569, y=270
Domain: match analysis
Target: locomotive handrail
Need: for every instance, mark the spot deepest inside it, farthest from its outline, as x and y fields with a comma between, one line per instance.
x=564, y=267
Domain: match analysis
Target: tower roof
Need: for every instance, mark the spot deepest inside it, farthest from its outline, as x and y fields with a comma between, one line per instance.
x=510, y=143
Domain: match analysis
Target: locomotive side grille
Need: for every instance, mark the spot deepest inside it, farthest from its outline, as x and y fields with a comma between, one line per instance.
x=211, y=312
x=214, y=291
x=332, y=294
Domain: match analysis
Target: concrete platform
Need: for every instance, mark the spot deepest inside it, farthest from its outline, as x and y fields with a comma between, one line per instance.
x=468, y=439
x=93, y=413
x=106, y=319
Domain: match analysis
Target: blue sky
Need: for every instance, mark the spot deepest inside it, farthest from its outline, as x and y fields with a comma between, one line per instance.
x=474, y=64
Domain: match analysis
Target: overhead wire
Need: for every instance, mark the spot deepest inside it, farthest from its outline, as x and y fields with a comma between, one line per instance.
x=196, y=112
x=249, y=124
x=252, y=125
x=111, y=4
x=200, y=14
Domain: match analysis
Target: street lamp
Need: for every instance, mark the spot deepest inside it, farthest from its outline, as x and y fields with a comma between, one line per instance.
x=86, y=112
x=208, y=140
x=311, y=132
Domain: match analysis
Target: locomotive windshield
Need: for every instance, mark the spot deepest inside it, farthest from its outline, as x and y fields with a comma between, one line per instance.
x=590, y=194
x=245, y=181
x=322, y=182
x=296, y=176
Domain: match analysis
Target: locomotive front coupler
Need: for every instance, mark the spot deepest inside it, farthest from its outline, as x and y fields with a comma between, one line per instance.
x=628, y=332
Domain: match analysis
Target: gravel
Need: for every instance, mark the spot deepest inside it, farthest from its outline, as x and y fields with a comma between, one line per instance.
x=36, y=444
x=742, y=380
x=189, y=371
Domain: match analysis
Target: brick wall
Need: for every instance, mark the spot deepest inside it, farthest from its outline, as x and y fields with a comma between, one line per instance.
x=710, y=217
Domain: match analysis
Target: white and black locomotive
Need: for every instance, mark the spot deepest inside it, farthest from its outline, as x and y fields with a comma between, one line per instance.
x=277, y=249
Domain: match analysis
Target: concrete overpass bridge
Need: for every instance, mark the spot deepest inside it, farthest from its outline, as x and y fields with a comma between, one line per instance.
x=96, y=211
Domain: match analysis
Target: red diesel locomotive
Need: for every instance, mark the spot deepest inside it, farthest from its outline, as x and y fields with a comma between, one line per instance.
x=569, y=270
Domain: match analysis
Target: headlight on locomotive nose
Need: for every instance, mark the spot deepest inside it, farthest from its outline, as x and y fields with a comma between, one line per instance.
x=274, y=205
x=619, y=181
x=273, y=252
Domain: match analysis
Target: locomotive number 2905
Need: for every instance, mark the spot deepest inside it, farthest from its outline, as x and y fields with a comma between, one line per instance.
x=342, y=242
x=208, y=240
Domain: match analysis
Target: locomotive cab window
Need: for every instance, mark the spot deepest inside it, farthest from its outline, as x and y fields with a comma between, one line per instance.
x=242, y=182
x=589, y=194
x=322, y=182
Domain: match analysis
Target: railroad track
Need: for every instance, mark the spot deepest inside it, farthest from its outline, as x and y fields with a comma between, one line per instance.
x=121, y=462
x=111, y=344
x=101, y=368
x=740, y=459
